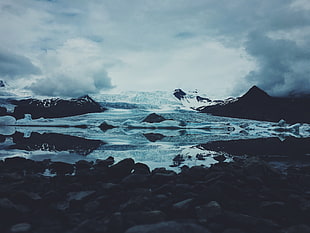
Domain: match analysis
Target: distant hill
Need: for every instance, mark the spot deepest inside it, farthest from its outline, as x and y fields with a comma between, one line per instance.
x=55, y=107
x=256, y=104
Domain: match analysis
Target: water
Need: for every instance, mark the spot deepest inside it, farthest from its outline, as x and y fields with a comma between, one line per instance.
x=150, y=143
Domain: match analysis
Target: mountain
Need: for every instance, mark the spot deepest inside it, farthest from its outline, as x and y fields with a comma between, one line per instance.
x=55, y=107
x=2, y=84
x=194, y=101
x=256, y=104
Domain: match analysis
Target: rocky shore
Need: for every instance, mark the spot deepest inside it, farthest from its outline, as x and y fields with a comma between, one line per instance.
x=243, y=196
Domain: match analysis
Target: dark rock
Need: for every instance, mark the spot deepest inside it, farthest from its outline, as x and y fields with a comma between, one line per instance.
x=122, y=168
x=20, y=164
x=23, y=197
x=21, y=227
x=105, y=126
x=80, y=196
x=61, y=168
x=55, y=108
x=100, y=163
x=83, y=165
x=3, y=111
x=258, y=168
x=178, y=160
x=153, y=137
x=11, y=212
x=168, y=227
x=154, y=118
x=141, y=168
x=143, y=217
x=298, y=229
x=248, y=223
x=183, y=205
x=162, y=177
x=274, y=209
x=220, y=158
x=206, y=212
x=233, y=230
x=91, y=206
x=135, y=179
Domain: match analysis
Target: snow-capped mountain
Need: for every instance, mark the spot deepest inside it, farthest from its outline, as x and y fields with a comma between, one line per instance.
x=55, y=107
x=195, y=101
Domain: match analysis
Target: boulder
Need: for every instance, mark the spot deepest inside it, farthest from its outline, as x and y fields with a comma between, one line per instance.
x=61, y=168
x=21, y=228
x=168, y=227
x=122, y=168
x=153, y=137
x=154, y=118
x=105, y=126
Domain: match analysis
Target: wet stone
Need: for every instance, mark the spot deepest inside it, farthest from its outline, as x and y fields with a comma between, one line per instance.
x=168, y=227
x=209, y=211
x=20, y=228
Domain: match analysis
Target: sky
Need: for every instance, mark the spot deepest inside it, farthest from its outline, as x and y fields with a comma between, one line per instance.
x=219, y=47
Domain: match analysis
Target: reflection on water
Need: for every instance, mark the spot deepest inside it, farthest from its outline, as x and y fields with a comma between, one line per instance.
x=200, y=140
x=53, y=142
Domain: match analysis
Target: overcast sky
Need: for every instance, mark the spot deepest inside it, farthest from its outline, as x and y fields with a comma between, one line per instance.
x=220, y=47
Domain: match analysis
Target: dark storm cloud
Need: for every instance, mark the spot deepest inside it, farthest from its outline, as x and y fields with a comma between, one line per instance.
x=284, y=67
x=13, y=65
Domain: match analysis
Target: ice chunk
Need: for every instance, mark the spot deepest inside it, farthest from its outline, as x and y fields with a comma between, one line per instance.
x=7, y=120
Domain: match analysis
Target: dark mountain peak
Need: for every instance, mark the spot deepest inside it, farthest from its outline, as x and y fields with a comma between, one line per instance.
x=179, y=94
x=2, y=84
x=255, y=93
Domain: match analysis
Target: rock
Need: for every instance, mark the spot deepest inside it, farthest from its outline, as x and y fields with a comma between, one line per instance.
x=168, y=227
x=105, y=126
x=298, y=229
x=183, y=205
x=21, y=227
x=104, y=163
x=61, y=168
x=154, y=118
x=141, y=168
x=83, y=165
x=206, y=212
x=153, y=137
x=10, y=212
x=220, y=158
x=135, y=179
x=80, y=196
x=274, y=210
x=258, y=168
x=20, y=164
x=159, y=177
x=233, y=230
x=143, y=217
x=122, y=168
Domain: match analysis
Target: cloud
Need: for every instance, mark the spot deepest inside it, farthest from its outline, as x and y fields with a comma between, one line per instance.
x=73, y=69
x=284, y=67
x=12, y=66
x=161, y=44
x=72, y=86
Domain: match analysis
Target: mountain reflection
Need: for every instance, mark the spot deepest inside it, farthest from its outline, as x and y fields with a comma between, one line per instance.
x=55, y=142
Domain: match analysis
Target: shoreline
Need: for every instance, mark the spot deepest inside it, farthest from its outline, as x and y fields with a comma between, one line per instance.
x=246, y=195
